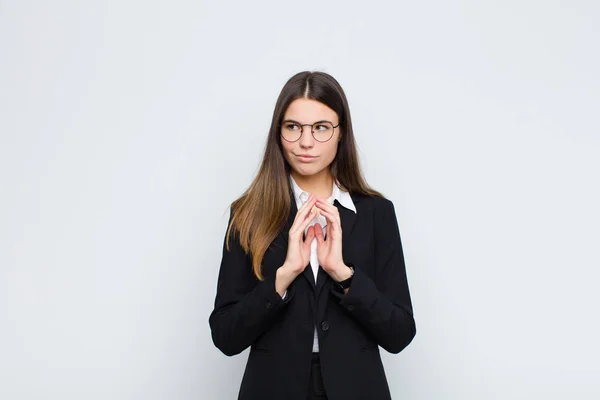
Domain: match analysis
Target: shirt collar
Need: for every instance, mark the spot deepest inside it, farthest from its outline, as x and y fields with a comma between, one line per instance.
x=337, y=193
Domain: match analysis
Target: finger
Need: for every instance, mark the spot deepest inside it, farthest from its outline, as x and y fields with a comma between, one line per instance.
x=306, y=211
x=327, y=206
x=319, y=233
x=306, y=208
x=296, y=231
x=310, y=235
x=331, y=217
x=333, y=224
x=310, y=198
x=309, y=218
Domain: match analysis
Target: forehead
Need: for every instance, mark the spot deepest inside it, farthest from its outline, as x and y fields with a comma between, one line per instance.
x=308, y=110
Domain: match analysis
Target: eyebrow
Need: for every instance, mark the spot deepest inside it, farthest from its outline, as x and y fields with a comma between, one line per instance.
x=316, y=122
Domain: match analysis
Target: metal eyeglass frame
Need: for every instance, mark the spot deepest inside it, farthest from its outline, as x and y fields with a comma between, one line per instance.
x=312, y=131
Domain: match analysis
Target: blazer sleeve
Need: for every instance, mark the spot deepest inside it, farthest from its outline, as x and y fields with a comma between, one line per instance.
x=382, y=305
x=244, y=306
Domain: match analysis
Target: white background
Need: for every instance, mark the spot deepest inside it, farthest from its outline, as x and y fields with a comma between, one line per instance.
x=127, y=128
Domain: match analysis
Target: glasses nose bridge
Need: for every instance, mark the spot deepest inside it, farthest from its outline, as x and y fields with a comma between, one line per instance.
x=311, y=136
x=303, y=125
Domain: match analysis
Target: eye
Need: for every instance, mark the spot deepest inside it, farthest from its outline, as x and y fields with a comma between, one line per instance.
x=291, y=126
x=321, y=127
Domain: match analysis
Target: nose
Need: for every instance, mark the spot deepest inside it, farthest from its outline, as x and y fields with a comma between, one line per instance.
x=306, y=140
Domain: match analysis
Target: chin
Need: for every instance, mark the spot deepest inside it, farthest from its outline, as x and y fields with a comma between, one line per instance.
x=306, y=170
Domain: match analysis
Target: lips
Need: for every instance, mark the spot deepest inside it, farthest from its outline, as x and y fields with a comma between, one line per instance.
x=305, y=157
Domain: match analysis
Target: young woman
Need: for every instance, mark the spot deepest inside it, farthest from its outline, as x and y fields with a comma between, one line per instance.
x=312, y=277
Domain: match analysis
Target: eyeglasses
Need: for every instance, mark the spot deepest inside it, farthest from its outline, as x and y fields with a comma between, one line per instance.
x=322, y=131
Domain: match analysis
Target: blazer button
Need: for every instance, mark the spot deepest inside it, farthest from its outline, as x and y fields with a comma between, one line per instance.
x=268, y=304
x=325, y=326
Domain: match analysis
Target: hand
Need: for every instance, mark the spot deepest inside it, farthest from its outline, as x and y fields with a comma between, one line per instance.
x=298, y=250
x=329, y=251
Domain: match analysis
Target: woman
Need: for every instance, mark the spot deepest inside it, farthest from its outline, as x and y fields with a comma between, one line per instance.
x=312, y=277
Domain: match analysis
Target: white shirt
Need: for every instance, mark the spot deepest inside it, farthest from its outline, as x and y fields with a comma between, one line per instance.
x=301, y=197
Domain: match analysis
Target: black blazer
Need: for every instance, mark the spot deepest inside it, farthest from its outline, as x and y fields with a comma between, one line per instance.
x=376, y=311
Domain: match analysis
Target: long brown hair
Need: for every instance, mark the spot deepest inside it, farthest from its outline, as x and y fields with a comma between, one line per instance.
x=260, y=214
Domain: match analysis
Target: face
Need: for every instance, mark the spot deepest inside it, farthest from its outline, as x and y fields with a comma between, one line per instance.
x=307, y=156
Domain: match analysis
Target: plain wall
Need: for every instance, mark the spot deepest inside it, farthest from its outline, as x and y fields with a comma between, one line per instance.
x=128, y=127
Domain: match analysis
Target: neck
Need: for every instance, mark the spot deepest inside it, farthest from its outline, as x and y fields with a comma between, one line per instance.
x=319, y=184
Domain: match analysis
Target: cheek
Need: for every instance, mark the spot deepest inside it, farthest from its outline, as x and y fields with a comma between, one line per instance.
x=287, y=149
x=331, y=151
